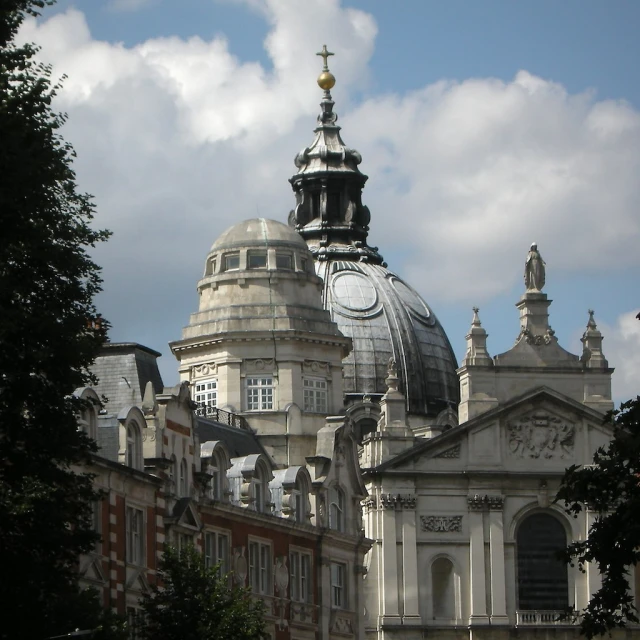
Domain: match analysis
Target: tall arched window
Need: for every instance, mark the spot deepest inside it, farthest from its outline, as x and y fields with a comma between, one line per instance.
x=542, y=578
x=261, y=492
x=301, y=499
x=337, y=504
x=133, y=452
x=184, y=478
x=443, y=589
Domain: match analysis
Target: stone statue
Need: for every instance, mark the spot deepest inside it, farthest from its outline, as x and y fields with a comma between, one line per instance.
x=534, y=270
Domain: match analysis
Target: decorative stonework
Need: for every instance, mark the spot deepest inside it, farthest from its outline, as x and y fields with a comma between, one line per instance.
x=537, y=340
x=240, y=566
x=259, y=365
x=540, y=435
x=317, y=367
x=204, y=370
x=441, y=524
x=369, y=503
x=398, y=501
x=453, y=452
x=482, y=502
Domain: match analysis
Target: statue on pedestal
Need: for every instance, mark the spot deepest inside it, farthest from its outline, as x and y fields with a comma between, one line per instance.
x=534, y=273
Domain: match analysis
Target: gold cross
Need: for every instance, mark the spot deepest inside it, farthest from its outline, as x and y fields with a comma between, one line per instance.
x=324, y=54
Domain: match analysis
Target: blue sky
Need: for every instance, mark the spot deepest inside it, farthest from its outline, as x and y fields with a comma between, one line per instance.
x=483, y=126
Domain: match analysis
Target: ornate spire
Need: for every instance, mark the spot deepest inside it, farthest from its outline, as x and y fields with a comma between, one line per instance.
x=477, y=353
x=592, y=355
x=329, y=213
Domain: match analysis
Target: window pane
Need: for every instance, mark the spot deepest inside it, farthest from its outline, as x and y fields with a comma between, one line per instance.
x=257, y=261
x=542, y=577
x=283, y=261
x=231, y=261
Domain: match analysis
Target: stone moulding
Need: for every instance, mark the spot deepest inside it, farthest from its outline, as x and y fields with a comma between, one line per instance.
x=485, y=502
x=398, y=501
x=441, y=524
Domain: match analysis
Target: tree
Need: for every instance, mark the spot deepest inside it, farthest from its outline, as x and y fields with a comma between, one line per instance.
x=196, y=603
x=49, y=335
x=610, y=488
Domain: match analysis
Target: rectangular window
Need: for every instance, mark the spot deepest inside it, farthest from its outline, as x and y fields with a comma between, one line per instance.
x=338, y=585
x=135, y=535
x=216, y=550
x=207, y=393
x=259, y=394
x=181, y=541
x=257, y=261
x=315, y=395
x=300, y=564
x=231, y=261
x=260, y=567
x=283, y=261
x=303, y=264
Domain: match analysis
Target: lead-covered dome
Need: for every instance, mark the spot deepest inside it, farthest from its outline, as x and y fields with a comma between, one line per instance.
x=382, y=314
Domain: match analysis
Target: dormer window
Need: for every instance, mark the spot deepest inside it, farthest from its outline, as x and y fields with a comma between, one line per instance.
x=284, y=261
x=261, y=492
x=231, y=261
x=134, y=446
x=337, y=504
x=256, y=260
x=301, y=500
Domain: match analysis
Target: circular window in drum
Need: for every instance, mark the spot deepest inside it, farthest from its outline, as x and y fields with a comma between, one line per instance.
x=413, y=301
x=353, y=291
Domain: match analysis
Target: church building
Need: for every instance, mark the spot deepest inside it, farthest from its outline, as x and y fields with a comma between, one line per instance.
x=325, y=447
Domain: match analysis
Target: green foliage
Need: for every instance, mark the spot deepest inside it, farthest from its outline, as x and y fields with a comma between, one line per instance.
x=610, y=488
x=48, y=338
x=197, y=603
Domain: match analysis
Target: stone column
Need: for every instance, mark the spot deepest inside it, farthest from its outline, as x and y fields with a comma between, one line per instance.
x=496, y=547
x=476, y=563
x=411, y=613
x=390, y=610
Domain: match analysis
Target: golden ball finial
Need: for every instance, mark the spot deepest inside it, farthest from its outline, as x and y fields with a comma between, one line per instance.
x=326, y=80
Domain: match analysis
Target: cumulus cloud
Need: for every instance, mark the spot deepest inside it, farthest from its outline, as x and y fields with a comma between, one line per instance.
x=178, y=139
x=621, y=346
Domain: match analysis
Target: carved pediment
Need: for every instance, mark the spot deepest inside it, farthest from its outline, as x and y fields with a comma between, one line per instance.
x=541, y=434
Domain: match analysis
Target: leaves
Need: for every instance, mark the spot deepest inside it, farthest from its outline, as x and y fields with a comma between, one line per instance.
x=196, y=603
x=48, y=339
x=610, y=488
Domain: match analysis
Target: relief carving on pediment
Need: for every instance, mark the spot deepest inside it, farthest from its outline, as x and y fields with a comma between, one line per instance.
x=541, y=435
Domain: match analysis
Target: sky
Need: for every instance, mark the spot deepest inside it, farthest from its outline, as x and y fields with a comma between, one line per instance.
x=483, y=127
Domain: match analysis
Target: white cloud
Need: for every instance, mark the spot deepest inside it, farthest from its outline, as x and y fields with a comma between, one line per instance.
x=128, y=5
x=178, y=139
x=621, y=346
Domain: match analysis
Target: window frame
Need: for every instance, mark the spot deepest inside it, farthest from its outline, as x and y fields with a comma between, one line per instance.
x=287, y=257
x=133, y=446
x=260, y=393
x=260, y=555
x=183, y=479
x=256, y=254
x=337, y=508
x=227, y=258
x=135, y=536
x=300, y=575
x=213, y=538
x=338, y=581
x=315, y=399
x=203, y=396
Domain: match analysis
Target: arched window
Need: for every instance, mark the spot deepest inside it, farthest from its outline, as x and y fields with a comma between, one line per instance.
x=542, y=578
x=215, y=487
x=443, y=589
x=184, y=478
x=301, y=500
x=261, y=489
x=337, y=503
x=134, y=453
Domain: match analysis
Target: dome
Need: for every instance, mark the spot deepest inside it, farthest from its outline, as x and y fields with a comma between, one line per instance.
x=387, y=319
x=258, y=231
x=383, y=315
